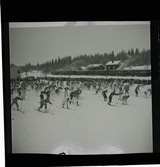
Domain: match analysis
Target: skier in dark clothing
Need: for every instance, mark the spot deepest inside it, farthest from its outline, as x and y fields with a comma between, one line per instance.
x=71, y=96
x=41, y=96
x=19, y=90
x=111, y=96
x=43, y=101
x=104, y=93
x=15, y=101
x=136, y=90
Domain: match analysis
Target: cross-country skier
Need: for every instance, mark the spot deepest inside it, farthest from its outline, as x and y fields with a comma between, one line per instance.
x=57, y=90
x=32, y=85
x=104, y=93
x=126, y=89
x=12, y=90
x=41, y=96
x=97, y=90
x=124, y=98
x=15, y=101
x=71, y=96
x=76, y=95
x=146, y=92
x=136, y=90
x=66, y=97
x=111, y=96
x=120, y=92
x=24, y=92
x=19, y=90
x=43, y=101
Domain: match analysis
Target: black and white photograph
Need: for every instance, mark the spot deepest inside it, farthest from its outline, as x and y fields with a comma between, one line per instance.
x=81, y=88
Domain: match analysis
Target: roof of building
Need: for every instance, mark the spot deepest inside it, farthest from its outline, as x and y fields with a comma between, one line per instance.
x=83, y=68
x=94, y=65
x=114, y=62
x=15, y=65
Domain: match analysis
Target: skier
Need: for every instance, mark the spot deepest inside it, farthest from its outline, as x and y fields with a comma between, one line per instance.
x=71, y=96
x=76, y=95
x=97, y=90
x=111, y=96
x=32, y=85
x=43, y=101
x=124, y=98
x=104, y=93
x=136, y=90
x=120, y=93
x=12, y=90
x=24, y=92
x=15, y=101
x=65, y=98
x=41, y=96
x=146, y=92
x=19, y=90
x=57, y=90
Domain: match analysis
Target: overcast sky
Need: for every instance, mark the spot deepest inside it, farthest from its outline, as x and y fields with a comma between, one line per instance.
x=40, y=42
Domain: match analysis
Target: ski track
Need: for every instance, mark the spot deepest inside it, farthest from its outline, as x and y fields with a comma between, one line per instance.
x=94, y=127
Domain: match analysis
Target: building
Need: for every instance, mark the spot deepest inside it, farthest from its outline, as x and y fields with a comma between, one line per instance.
x=113, y=65
x=15, y=71
x=82, y=68
x=96, y=67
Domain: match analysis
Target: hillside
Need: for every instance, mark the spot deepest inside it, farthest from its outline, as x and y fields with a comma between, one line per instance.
x=130, y=58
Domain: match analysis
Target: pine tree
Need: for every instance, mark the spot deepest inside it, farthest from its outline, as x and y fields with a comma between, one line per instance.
x=137, y=51
x=132, y=52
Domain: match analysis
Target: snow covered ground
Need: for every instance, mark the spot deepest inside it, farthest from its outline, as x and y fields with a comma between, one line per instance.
x=94, y=127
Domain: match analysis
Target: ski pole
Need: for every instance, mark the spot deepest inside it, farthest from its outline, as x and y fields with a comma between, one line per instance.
x=29, y=95
x=21, y=105
x=49, y=108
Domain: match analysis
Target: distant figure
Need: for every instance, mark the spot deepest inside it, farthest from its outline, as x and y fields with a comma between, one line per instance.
x=136, y=90
x=76, y=95
x=147, y=91
x=126, y=89
x=97, y=90
x=120, y=93
x=41, y=96
x=71, y=96
x=65, y=98
x=19, y=90
x=124, y=98
x=104, y=93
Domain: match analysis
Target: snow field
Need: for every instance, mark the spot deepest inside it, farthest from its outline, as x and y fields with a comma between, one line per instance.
x=94, y=127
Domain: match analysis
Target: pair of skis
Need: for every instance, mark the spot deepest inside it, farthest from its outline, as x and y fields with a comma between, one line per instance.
x=45, y=111
x=19, y=110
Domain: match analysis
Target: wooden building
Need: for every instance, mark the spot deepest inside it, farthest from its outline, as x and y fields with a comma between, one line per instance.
x=113, y=65
x=15, y=71
x=96, y=67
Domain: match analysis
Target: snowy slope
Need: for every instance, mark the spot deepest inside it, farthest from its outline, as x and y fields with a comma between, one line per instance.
x=94, y=127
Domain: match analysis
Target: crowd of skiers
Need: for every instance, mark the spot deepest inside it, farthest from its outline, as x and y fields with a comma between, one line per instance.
x=72, y=90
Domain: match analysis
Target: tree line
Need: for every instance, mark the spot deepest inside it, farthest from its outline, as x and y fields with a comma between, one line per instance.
x=133, y=57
